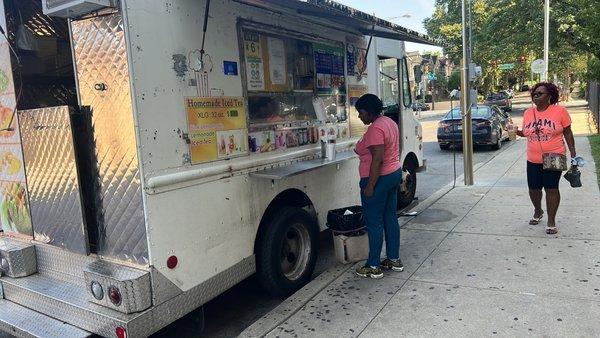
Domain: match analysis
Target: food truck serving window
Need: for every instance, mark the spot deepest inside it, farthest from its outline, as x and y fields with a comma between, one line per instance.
x=295, y=88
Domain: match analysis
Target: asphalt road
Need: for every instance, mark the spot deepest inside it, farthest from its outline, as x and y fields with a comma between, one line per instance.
x=233, y=311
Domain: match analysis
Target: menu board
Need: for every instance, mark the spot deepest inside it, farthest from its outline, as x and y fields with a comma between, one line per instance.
x=15, y=218
x=266, y=63
x=329, y=66
x=356, y=57
x=255, y=74
x=216, y=128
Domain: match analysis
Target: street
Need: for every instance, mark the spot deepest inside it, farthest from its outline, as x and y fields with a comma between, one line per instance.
x=233, y=311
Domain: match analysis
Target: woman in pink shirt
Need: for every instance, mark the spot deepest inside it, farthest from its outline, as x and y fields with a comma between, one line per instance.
x=547, y=126
x=380, y=175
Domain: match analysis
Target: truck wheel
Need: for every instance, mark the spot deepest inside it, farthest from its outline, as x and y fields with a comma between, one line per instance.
x=287, y=252
x=408, y=187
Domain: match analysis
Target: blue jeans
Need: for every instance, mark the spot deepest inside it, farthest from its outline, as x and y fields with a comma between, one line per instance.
x=379, y=215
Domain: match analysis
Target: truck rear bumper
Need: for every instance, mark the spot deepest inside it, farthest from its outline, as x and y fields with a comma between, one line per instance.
x=23, y=322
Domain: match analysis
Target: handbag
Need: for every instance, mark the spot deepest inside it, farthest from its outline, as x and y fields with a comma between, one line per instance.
x=573, y=175
x=550, y=161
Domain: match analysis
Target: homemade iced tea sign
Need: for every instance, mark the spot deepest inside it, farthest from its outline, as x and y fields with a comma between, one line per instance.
x=217, y=127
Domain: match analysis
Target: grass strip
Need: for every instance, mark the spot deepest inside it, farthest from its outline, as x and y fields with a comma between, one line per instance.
x=595, y=143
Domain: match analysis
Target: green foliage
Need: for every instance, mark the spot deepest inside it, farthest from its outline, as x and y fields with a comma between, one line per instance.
x=506, y=31
x=593, y=69
x=454, y=80
x=595, y=144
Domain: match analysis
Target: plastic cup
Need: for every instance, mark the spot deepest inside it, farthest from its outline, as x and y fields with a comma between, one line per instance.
x=512, y=133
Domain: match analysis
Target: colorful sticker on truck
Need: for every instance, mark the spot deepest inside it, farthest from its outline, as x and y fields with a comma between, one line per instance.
x=15, y=218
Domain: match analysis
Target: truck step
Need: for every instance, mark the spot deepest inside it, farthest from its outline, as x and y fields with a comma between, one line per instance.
x=51, y=296
x=23, y=322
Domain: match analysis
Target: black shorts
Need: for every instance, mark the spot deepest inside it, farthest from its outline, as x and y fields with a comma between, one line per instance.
x=538, y=178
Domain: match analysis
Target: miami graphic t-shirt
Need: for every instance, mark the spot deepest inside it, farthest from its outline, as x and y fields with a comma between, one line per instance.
x=546, y=134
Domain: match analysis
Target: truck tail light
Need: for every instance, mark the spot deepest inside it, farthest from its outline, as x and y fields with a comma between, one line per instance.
x=115, y=295
x=120, y=332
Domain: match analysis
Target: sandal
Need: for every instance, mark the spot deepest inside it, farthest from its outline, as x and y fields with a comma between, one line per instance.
x=551, y=230
x=536, y=220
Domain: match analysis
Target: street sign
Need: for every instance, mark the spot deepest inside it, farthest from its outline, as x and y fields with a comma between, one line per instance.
x=537, y=66
x=507, y=66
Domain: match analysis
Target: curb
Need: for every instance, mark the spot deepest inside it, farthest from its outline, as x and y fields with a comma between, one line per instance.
x=294, y=303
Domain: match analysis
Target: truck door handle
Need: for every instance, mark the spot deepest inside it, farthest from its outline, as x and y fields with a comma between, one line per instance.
x=100, y=87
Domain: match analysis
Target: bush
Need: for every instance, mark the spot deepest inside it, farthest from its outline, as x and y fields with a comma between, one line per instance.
x=428, y=98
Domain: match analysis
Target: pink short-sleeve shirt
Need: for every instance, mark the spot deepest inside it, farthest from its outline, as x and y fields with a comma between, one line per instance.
x=383, y=131
x=549, y=136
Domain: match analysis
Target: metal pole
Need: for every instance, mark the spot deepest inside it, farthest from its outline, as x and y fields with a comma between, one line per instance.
x=467, y=136
x=546, y=38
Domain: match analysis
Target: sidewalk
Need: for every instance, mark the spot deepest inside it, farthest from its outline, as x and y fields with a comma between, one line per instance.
x=473, y=267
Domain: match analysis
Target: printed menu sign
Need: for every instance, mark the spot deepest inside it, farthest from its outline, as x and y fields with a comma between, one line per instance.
x=329, y=65
x=216, y=127
x=254, y=64
x=277, y=73
x=15, y=218
x=356, y=57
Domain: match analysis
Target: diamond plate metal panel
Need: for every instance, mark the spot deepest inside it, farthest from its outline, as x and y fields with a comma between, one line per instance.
x=103, y=77
x=52, y=181
x=23, y=322
x=68, y=302
x=61, y=264
x=17, y=259
x=134, y=285
x=65, y=302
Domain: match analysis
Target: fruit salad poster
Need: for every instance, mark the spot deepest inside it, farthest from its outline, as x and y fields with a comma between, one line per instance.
x=216, y=128
x=14, y=206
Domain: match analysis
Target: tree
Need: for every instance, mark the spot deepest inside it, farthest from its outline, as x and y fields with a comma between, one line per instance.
x=454, y=80
x=506, y=31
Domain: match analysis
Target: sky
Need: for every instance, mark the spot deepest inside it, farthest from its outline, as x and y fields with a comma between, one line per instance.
x=406, y=13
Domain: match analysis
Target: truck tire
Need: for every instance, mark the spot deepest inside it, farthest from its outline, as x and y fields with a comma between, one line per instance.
x=287, y=251
x=408, y=186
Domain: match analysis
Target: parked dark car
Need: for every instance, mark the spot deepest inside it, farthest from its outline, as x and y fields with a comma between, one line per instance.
x=420, y=106
x=499, y=99
x=524, y=88
x=489, y=126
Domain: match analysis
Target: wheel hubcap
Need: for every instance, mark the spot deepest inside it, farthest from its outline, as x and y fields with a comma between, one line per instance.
x=295, y=251
x=407, y=184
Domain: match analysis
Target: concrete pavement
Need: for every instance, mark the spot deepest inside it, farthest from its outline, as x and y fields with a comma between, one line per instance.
x=473, y=267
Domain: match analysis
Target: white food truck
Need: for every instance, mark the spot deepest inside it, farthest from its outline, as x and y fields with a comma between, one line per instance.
x=155, y=153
